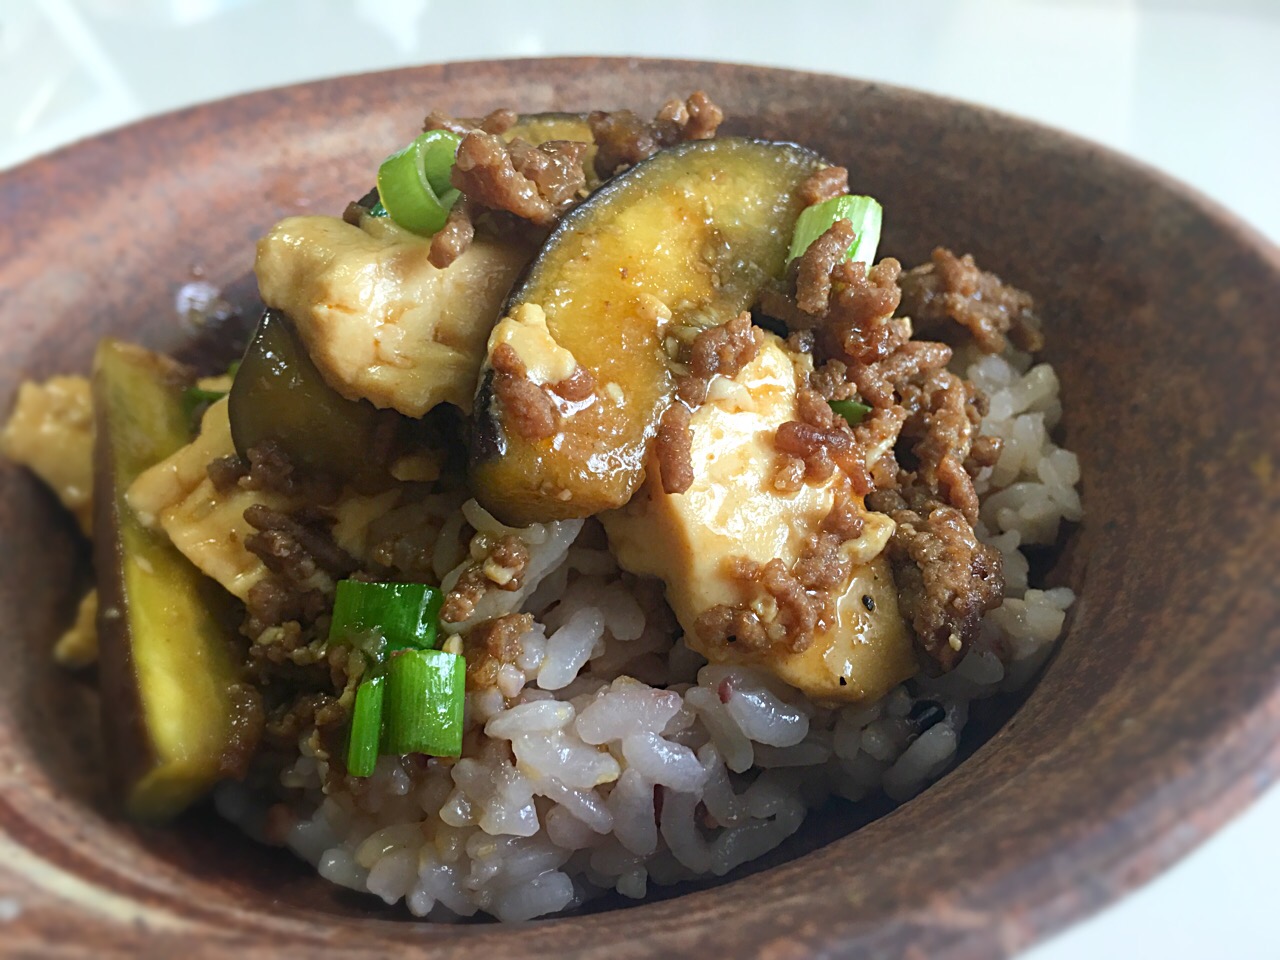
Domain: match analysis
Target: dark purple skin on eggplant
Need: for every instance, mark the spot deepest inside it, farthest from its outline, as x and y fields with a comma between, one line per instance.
x=279, y=397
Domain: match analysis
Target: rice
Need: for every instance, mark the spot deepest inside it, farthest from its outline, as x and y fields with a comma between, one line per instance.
x=614, y=758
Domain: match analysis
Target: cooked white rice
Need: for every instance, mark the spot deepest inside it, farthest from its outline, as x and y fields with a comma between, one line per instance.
x=603, y=709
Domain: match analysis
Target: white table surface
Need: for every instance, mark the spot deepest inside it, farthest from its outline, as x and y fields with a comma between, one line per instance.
x=1191, y=86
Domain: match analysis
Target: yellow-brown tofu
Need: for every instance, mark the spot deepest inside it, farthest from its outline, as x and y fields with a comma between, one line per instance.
x=379, y=321
x=733, y=510
x=51, y=431
x=205, y=524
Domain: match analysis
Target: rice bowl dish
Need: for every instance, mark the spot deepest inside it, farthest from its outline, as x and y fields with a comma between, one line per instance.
x=641, y=705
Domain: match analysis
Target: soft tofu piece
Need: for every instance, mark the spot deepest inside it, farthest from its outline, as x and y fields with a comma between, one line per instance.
x=51, y=431
x=380, y=322
x=354, y=514
x=732, y=510
x=206, y=525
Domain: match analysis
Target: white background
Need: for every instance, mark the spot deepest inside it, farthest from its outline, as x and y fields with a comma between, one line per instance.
x=1191, y=86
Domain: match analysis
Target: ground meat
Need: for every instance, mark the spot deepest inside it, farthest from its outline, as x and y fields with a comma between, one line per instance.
x=436, y=120
x=673, y=449
x=352, y=213
x=623, y=139
x=578, y=386
x=926, y=416
x=692, y=390
x=849, y=309
x=859, y=324
x=879, y=383
x=984, y=452
x=555, y=167
x=726, y=349
x=938, y=438
x=527, y=410
x=534, y=183
x=269, y=469
x=879, y=431
x=498, y=121
x=248, y=721
x=821, y=565
x=484, y=171
x=798, y=610
x=952, y=289
x=825, y=184
x=289, y=545
x=357, y=209
x=800, y=341
x=507, y=562
x=946, y=578
x=454, y=237
x=495, y=121
x=226, y=472
x=491, y=644
x=788, y=474
x=460, y=602
x=832, y=381
x=812, y=408
x=823, y=449
x=813, y=447
x=815, y=266
x=502, y=564
x=724, y=625
x=270, y=603
x=695, y=119
x=283, y=555
x=717, y=351
x=304, y=562
x=844, y=519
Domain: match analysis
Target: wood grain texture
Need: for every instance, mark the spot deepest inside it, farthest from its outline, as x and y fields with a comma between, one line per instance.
x=1156, y=721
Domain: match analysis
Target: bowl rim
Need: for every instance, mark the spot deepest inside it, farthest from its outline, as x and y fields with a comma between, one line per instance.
x=1178, y=805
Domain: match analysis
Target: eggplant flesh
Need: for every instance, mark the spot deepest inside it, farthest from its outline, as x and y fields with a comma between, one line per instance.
x=679, y=243
x=171, y=697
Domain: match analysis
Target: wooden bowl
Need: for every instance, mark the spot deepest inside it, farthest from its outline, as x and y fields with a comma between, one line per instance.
x=1155, y=722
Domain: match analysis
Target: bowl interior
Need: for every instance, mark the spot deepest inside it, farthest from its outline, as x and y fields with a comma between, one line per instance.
x=1160, y=706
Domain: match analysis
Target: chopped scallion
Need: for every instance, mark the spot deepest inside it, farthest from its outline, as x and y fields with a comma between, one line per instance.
x=404, y=613
x=852, y=411
x=413, y=184
x=863, y=212
x=424, y=702
x=378, y=210
x=366, y=726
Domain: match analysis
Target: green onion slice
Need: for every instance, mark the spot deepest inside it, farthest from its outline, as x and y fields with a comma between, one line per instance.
x=366, y=726
x=863, y=212
x=423, y=711
x=852, y=411
x=413, y=184
x=404, y=613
